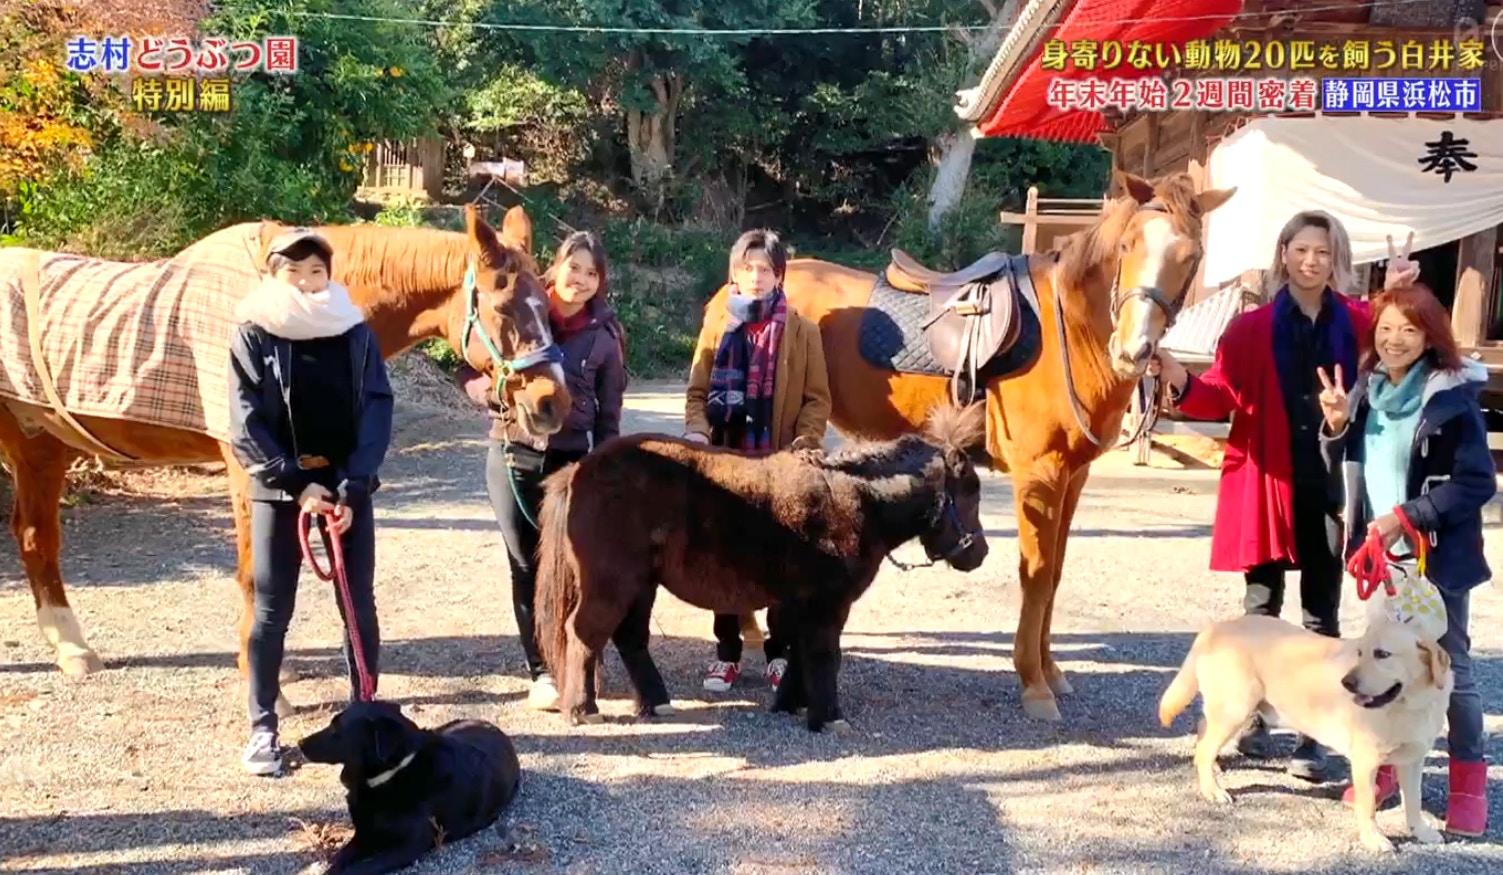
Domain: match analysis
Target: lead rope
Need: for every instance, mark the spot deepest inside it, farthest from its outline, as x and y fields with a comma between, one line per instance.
x=365, y=684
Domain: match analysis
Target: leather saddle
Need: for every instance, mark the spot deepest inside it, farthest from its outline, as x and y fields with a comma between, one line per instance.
x=973, y=312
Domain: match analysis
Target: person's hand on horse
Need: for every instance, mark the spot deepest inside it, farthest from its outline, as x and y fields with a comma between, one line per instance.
x=808, y=449
x=1401, y=270
x=315, y=499
x=1333, y=399
x=1165, y=365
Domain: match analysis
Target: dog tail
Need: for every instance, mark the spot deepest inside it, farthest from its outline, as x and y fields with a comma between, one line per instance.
x=1183, y=688
x=557, y=594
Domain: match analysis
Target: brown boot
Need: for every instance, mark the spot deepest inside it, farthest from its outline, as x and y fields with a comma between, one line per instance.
x=1466, y=811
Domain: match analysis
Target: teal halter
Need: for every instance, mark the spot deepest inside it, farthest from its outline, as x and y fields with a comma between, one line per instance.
x=505, y=367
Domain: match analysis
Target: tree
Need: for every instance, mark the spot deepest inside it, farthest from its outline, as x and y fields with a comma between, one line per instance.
x=953, y=150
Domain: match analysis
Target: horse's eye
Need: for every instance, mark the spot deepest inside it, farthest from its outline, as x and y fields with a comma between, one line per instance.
x=1381, y=654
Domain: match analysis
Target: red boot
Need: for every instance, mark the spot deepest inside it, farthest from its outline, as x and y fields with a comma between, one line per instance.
x=1388, y=787
x=1466, y=812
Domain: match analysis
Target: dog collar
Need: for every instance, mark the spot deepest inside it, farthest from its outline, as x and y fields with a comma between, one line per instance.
x=390, y=773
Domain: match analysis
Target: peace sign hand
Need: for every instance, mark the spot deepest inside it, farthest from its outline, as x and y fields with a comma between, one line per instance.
x=1333, y=399
x=1401, y=270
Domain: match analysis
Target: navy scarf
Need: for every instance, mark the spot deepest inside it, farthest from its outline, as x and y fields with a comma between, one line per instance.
x=1335, y=329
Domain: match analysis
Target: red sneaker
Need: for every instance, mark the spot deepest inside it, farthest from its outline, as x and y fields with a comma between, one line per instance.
x=1466, y=811
x=1388, y=787
x=721, y=675
x=775, y=671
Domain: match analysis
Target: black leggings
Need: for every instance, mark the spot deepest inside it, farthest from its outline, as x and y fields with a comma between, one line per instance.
x=1317, y=542
x=506, y=484
x=277, y=559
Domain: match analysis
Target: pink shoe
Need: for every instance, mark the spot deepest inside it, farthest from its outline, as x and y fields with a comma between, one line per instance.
x=721, y=676
x=1388, y=787
x=775, y=671
x=1466, y=810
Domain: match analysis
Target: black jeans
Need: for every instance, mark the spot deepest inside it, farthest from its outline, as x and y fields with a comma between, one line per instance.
x=277, y=560
x=1317, y=542
x=513, y=489
x=728, y=644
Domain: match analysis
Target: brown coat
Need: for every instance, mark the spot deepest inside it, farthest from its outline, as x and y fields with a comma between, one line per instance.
x=801, y=386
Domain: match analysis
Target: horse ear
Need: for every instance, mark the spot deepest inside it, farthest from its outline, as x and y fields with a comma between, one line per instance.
x=483, y=236
x=1213, y=198
x=516, y=229
x=1138, y=188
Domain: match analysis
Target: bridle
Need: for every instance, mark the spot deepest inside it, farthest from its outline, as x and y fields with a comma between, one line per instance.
x=1152, y=294
x=945, y=511
x=505, y=367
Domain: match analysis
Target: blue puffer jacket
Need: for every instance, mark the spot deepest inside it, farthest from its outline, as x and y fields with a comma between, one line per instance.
x=1451, y=474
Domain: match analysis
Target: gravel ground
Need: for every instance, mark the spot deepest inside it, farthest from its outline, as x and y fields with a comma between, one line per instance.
x=136, y=770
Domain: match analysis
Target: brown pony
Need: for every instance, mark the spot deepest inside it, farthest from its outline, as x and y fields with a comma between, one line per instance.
x=1105, y=299
x=732, y=532
x=412, y=284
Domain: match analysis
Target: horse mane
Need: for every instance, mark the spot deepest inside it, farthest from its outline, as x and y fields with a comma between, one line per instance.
x=405, y=261
x=949, y=428
x=1087, y=250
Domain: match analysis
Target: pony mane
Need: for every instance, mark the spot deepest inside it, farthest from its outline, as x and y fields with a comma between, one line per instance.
x=1087, y=250
x=949, y=428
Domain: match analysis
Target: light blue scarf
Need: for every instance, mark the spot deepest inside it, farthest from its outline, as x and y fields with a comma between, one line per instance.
x=1388, y=439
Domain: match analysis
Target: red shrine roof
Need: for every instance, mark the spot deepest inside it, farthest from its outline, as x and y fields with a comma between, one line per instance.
x=1012, y=99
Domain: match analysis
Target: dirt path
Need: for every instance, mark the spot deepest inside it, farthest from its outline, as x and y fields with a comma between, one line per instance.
x=136, y=770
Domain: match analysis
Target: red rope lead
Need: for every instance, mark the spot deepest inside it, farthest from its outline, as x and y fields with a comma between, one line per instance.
x=336, y=574
x=1369, y=565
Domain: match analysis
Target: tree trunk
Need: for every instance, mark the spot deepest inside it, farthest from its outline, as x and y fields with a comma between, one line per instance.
x=651, y=136
x=953, y=150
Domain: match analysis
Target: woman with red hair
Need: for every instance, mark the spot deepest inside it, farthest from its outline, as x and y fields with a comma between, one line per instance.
x=1409, y=439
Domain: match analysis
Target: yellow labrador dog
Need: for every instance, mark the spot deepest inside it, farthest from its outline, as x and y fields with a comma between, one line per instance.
x=1378, y=700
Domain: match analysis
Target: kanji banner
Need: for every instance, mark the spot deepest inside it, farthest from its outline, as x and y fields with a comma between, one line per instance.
x=1441, y=179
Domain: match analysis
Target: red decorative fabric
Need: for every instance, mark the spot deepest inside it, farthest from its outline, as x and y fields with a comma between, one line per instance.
x=1024, y=110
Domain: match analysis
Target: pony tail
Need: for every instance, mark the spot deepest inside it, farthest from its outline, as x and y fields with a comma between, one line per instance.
x=557, y=593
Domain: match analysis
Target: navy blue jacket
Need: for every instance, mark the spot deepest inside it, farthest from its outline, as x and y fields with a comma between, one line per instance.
x=261, y=409
x=1451, y=474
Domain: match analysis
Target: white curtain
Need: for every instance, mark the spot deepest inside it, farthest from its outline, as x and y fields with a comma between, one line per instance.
x=1377, y=175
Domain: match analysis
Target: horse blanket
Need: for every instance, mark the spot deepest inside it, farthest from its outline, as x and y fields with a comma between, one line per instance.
x=146, y=342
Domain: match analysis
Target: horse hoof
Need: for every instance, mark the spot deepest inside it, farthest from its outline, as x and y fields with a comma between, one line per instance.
x=284, y=708
x=77, y=665
x=1042, y=709
x=664, y=710
x=1061, y=685
x=591, y=719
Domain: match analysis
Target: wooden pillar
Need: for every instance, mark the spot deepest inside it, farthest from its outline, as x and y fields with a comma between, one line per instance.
x=1474, y=271
x=1198, y=150
x=1151, y=149
x=1031, y=221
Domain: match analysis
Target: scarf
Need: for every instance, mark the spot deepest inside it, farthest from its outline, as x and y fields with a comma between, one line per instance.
x=286, y=311
x=565, y=327
x=1388, y=438
x=742, y=379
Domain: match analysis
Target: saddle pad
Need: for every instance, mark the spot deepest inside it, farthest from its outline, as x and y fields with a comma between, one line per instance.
x=145, y=342
x=892, y=334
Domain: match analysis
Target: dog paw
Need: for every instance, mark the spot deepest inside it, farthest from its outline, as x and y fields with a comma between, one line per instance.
x=1427, y=835
x=1378, y=843
x=1216, y=793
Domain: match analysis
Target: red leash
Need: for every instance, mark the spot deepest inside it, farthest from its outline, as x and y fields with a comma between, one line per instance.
x=1369, y=565
x=336, y=574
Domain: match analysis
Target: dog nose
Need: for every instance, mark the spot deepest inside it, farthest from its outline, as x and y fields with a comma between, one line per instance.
x=1349, y=681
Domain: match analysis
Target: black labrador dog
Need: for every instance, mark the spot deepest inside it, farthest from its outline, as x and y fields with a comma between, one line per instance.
x=410, y=789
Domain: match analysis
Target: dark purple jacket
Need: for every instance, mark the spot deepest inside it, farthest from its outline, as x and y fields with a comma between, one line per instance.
x=596, y=373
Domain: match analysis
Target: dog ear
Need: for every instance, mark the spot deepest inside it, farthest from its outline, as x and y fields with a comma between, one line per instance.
x=1437, y=663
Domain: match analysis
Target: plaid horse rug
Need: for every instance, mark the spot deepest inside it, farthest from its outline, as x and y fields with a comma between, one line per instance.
x=145, y=342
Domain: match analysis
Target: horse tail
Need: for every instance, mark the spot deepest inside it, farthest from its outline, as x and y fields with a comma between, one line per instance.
x=1182, y=689
x=557, y=593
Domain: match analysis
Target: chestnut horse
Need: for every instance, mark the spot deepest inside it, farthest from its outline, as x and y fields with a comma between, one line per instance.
x=1105, y=298
x=476, y=289
x=734, y=532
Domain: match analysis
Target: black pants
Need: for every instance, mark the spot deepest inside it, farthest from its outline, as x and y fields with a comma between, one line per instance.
x=277, y=559
x=513, y=489
x=1317, y=542
x=728, y=644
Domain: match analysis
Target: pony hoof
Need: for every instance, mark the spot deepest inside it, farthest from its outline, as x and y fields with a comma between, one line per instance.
x=664, y=710
x=837, y=728
x=1042, y=709
x=1060, y=685
x=77, y=665
x=283, y=707
x=591, y=719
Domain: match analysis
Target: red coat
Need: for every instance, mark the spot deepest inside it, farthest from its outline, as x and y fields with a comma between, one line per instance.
x=1254, y=504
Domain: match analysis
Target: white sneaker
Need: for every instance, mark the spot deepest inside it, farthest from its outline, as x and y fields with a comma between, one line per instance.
x=721, y=676
x=263, y=755
x=775, y=671
x=544, y=694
